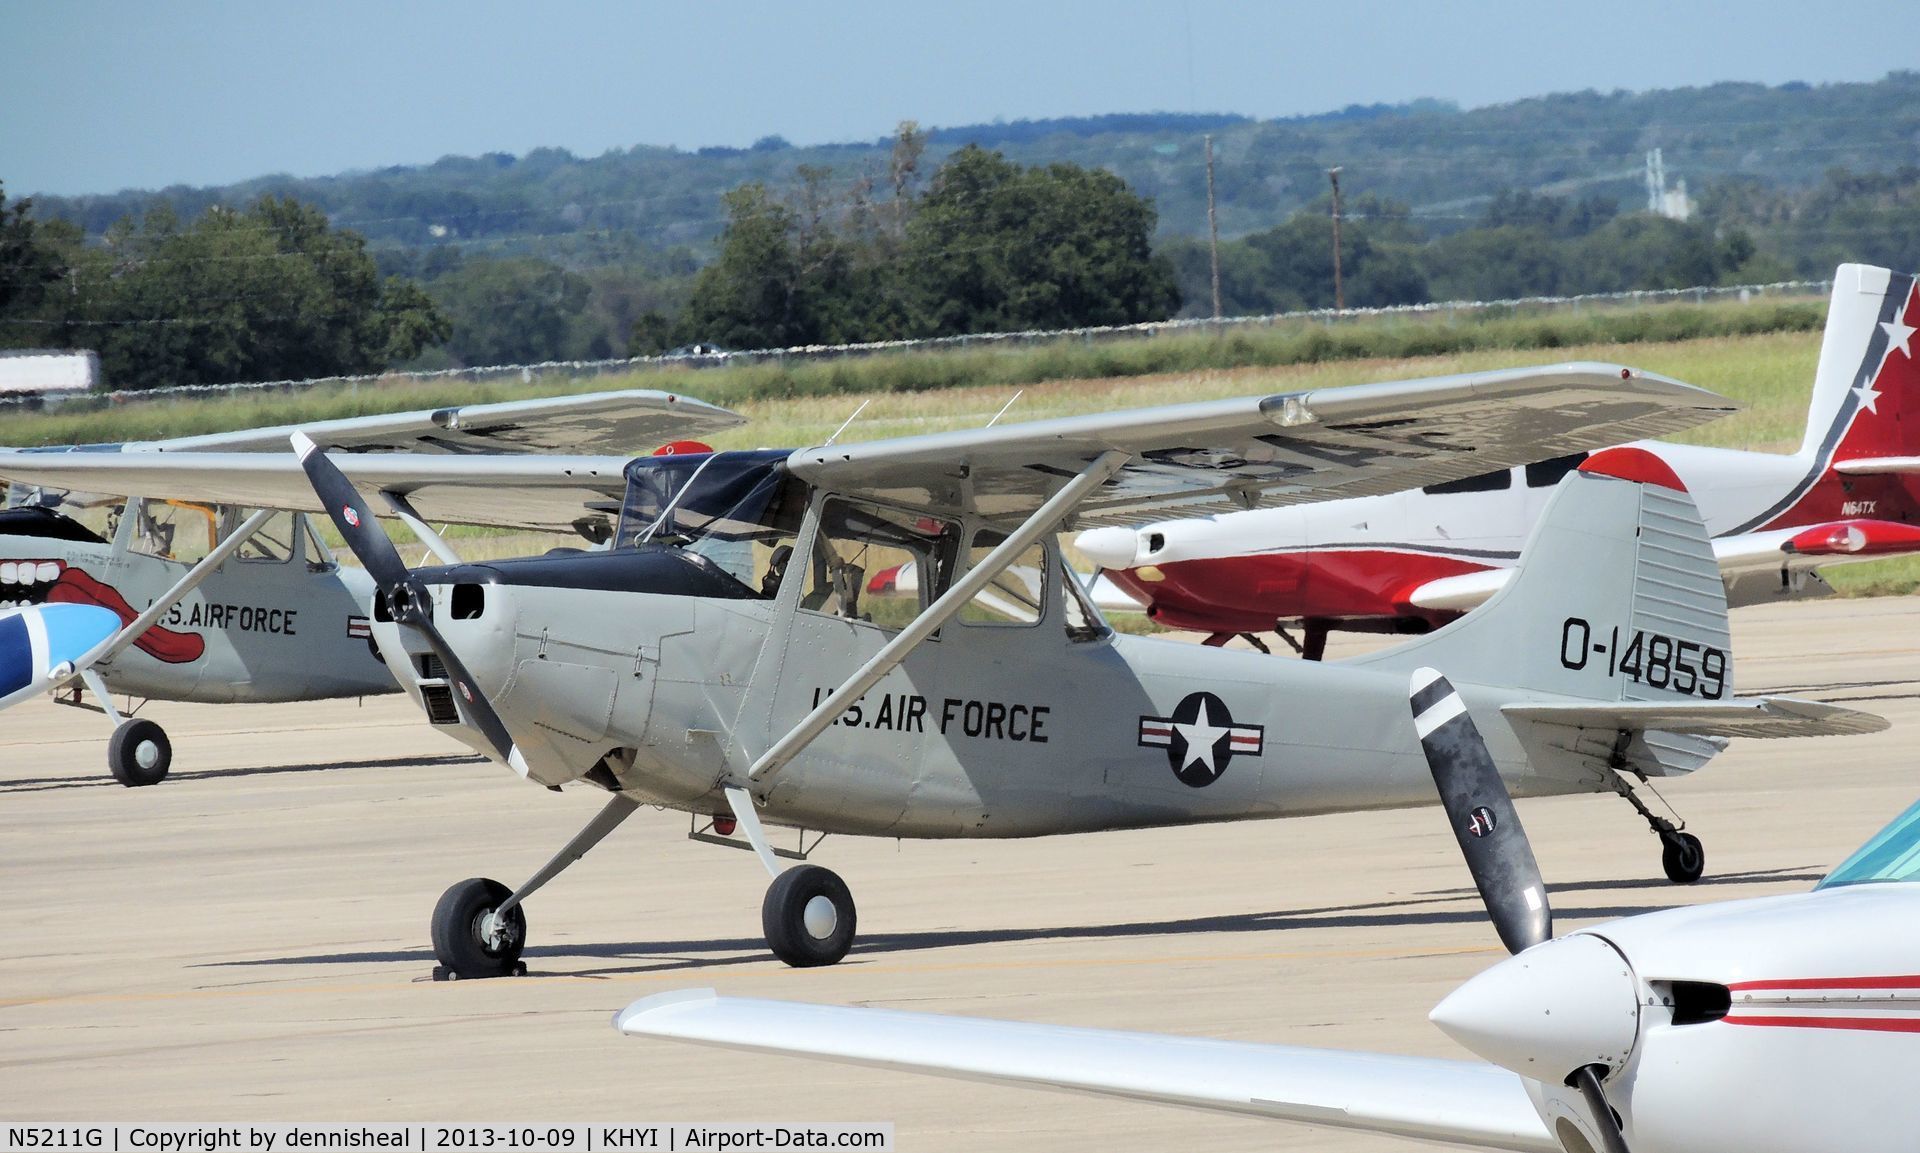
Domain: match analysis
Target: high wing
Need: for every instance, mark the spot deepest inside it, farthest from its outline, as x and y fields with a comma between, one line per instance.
x=484, y=464
x=1268, y=450
x=628, y=421
x=1753, y=564
x=537, y=492
x=1457, y=1102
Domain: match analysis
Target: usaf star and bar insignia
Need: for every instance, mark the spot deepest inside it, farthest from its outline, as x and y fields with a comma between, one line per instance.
x=1201, y=738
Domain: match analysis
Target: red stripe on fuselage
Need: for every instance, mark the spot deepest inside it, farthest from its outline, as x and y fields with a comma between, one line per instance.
x=1900, y=982
x=1849, y=1024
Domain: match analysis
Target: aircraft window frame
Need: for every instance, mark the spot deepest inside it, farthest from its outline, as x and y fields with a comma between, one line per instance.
x=1092, y=625
x=1499, y=480
x=938, y=561
x=247, y=552
x=740, y=514
x=1008, y=595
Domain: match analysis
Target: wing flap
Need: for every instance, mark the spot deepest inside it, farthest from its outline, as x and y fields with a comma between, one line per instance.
x=1422, y=1098
x=1741, y=717
x=1268, y=450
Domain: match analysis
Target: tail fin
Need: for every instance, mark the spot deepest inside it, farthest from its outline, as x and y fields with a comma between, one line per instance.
x=1866, y=392
x=1617, y=598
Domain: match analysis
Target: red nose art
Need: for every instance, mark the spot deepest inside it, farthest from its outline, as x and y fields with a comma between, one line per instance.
x=162, y=644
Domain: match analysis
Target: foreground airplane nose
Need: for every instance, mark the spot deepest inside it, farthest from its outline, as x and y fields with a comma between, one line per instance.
x=1544, y=1013
x=1110, y=547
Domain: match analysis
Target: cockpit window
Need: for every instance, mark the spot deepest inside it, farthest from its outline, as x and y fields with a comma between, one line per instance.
x=1892, y=854
x=739, y=511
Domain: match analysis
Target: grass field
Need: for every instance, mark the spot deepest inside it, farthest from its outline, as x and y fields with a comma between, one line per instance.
x=1771, y=373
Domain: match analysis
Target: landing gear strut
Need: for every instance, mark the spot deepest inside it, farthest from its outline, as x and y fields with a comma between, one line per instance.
x=479, y=927
x=1682, y=855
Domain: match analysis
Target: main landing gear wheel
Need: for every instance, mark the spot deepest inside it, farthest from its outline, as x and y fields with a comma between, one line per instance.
x=470, y=940
x=139, y=753
x=1683, y=857
x=808, y=917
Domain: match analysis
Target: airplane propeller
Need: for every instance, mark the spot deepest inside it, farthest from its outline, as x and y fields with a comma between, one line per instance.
x=1500, y=1013
x=407, y=596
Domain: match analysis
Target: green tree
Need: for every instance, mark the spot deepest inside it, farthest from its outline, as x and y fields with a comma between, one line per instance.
x=514, y=311
x=269, y=293
x=996, y=247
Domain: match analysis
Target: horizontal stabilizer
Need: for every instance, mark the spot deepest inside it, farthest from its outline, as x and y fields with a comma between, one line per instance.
x=1741, y=717
x=1459, y=1102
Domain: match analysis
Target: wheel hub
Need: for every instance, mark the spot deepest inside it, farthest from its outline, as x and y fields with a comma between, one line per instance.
x=146, y=754
x=820, y=918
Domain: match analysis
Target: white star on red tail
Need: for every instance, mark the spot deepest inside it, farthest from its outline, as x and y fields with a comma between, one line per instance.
x=1869, y=395
x=1899, y=332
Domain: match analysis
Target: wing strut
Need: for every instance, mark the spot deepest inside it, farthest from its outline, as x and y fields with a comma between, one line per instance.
x=436, y=544
x=186, y=584
x=1044, y=520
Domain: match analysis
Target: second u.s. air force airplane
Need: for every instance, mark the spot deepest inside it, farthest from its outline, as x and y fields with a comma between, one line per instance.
x=221, y=603
x=723, y=659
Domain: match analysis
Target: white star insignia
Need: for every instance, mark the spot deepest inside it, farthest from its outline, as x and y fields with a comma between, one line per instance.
x=1869, y=395
x=1899, y=332
x=1201, y=734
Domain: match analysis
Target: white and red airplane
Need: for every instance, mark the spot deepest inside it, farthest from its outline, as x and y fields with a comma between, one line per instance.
x=1412, y=560
x=1783, y=1024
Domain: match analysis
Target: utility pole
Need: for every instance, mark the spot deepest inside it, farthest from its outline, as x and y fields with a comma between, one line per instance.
x=1339, y=295
x=1213, y=231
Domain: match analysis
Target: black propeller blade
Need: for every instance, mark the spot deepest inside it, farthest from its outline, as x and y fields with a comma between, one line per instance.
x=411, y=604
x=1496, y=848
x=1483, y=817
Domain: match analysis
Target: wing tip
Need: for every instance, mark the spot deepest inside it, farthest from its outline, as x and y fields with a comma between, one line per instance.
x=635, y=1018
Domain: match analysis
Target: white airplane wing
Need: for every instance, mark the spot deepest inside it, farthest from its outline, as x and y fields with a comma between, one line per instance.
x=1268, y=450
x=632, y=422
x=536, y=492
x=1458, y=1102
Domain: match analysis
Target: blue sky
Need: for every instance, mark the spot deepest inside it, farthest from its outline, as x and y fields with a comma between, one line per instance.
x=96, y=96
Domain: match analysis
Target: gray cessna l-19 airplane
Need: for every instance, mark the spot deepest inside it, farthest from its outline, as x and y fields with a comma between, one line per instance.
x=221, y=604
x=722, y=657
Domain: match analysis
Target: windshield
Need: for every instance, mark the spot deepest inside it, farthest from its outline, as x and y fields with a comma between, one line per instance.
x=740, y=511
x=1892, y=854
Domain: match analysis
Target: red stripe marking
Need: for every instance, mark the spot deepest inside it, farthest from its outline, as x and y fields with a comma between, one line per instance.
x=1855, y=1024
x=1912, y=982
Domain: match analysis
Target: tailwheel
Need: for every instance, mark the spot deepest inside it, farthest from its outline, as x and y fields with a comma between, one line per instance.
x=139, y=753
x=471, y=939
x=808, y=917
x=1683, y=857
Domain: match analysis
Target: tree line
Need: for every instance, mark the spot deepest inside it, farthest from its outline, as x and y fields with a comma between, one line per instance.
x=895, y=249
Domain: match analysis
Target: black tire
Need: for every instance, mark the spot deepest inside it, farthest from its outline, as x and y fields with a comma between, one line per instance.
x=1683, y=857
x=457, y=939
x=783, y=917
x=139, y=753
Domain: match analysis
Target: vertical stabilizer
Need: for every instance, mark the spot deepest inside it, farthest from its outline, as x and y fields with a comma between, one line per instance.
x=1865, y=402
x=1617, y=597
